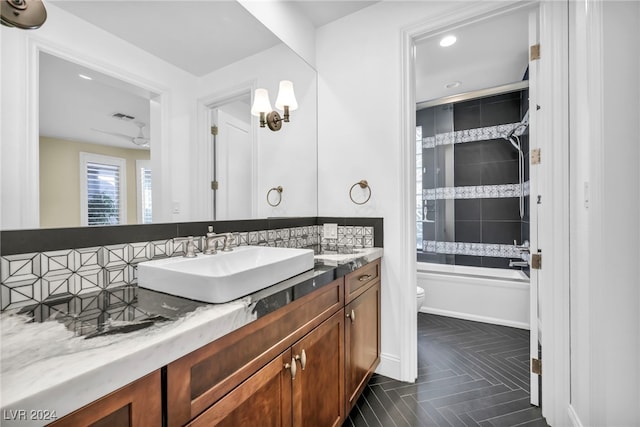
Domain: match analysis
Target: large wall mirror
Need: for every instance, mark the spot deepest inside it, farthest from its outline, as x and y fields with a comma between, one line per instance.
x=107, y=117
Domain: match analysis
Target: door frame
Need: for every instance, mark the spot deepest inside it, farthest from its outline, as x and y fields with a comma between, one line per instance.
x=555, y=212
x=203, y=152
x=216, y=164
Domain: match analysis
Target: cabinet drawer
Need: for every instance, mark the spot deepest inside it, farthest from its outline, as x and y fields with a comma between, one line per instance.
x=199, y=379
x=358, y=281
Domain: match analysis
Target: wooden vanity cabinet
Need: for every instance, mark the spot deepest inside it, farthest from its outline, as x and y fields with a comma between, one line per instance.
x=304, y=364
x=300, y=387
x=201, y=378
x=362, y=330
x=138, y=404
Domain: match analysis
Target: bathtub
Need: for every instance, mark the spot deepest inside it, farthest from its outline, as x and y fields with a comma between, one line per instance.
x=491, y=295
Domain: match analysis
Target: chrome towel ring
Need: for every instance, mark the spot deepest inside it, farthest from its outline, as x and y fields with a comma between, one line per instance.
x=277, y=189
x=363, y=184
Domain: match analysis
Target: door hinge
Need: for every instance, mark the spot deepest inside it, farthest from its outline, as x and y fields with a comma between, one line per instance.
x=536, y=261
x=536, y=156
x=214, y=130
x=534, y=52
x=214, y=185
x=536, y=366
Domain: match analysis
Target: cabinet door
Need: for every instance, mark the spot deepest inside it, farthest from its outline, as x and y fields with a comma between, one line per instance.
x=198, y=380
x=263, y=400
x=318, y=388
x=137, y=405
x=362, y=342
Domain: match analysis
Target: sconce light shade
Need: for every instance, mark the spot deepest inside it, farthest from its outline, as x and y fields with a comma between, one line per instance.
x=262, y=106
x=261, y=102
x=286, y=96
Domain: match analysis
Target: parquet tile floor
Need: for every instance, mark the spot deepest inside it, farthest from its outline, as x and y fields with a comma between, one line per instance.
x=469, y=374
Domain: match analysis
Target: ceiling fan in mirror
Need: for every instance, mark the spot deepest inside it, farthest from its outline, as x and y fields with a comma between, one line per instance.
x=139, y=140
x=24, y=14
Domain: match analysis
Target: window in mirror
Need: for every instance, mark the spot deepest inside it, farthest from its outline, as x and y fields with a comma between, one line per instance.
x=143, y=178
x=103, y=190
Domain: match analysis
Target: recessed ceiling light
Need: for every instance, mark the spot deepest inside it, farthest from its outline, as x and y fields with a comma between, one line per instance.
x=451, y=85
x=82, y=76
x=447, y=41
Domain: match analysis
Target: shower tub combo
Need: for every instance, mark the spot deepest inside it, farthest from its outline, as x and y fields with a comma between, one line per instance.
x=473, y=205
x=491, y=295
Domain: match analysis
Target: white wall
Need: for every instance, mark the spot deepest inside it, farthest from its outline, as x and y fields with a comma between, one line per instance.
x=605, y=296
x=287, y=157
x=359, y=137
x=76, y=40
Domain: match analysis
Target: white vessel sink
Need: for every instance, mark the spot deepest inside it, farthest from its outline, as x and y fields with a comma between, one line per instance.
x=224, y=276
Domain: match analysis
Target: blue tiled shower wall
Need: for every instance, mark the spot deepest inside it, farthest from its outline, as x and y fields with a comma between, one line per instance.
x=48, y=264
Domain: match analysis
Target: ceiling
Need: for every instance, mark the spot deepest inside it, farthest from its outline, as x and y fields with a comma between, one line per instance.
x=487, y=53
x=73, y=108
x=197, y=36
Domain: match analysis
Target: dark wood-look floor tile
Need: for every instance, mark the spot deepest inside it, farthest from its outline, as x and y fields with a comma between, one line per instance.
x=470, y=374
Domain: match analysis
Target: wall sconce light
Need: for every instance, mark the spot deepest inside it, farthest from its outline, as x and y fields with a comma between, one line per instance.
x=286, y=102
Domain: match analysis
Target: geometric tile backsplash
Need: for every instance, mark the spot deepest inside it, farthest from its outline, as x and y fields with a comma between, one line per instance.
x=42, y=276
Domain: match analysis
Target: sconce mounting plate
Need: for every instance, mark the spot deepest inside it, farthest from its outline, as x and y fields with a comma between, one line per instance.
x=274, y=122
x=23, y=14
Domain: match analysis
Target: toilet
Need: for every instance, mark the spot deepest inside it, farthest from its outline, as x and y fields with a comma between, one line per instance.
x=420, y=298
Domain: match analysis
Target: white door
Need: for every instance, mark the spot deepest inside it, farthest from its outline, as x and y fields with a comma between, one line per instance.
x=233, y=167
x=535, y=184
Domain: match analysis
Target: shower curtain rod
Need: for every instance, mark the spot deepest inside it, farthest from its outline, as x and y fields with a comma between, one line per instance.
x=481, y=93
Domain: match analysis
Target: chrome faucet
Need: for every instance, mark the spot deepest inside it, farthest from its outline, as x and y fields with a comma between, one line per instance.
x=212, y=240
x=190, y=251
x=524, y=248
x=230, y=239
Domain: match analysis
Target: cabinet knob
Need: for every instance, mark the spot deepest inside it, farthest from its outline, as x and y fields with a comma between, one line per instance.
x=302, y=357
x=352, y=316
x=292, y=368
x=364, y=277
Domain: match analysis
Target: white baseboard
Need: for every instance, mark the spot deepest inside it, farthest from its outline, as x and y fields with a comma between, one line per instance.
x=476, y=318
x=573, y=417
x=389, y=366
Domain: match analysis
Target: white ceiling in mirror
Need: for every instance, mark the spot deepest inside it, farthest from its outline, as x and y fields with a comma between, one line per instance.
x=76, y=103
x=196, y=36
x=486, y=54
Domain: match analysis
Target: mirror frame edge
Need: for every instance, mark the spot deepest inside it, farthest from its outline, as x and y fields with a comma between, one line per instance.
x=30, y=202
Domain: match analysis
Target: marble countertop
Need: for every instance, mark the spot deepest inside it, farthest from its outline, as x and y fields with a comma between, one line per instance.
x=46, y=367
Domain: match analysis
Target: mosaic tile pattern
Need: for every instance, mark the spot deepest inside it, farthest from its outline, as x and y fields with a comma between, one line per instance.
x=474, y=249
x=35, y=277
x=472, y=135
x=350, y=236
x=476, y=192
